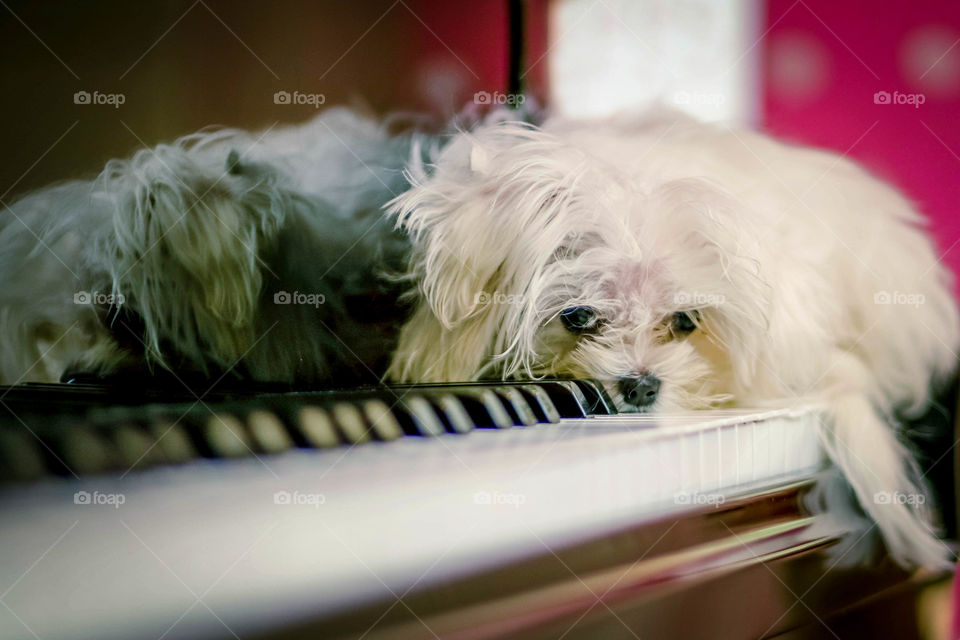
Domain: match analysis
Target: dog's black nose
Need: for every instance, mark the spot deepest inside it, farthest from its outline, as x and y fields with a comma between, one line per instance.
x=640, y=391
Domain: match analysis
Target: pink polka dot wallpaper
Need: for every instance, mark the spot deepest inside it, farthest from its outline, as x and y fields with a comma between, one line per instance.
x=879, y=82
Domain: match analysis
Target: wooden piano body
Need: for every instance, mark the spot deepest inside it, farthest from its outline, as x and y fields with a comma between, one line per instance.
x=524, y=510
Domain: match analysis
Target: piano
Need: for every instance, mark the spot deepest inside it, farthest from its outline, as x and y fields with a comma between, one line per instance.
x=482, y=510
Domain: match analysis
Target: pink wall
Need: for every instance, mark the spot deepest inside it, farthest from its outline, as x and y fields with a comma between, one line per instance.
x=465, y=50
x=824, y=60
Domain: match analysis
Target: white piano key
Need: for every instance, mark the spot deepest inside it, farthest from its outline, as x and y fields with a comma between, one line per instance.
x=728, y=458
x=744, y=437
x=763, y=466
x=710, y=459
x=691, y=479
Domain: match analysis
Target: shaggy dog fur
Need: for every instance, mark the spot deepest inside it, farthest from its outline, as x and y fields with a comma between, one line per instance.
x=253, y=254
x=689, y=265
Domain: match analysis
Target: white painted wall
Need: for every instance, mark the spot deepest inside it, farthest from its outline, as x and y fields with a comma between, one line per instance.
x=698, y=55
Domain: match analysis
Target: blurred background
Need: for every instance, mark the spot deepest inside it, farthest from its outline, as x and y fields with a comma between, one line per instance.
x=879, y=82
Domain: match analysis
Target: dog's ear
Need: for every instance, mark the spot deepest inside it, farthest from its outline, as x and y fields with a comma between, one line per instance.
x=483, y=222
x=483, y=226
x=185, y=252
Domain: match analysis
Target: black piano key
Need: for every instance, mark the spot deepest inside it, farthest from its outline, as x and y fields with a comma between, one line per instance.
x=516, y=405
x=475, y=409
x=458, y=419
x=491, y=413
x=171, y=438
x=432, y=398
x=407, y=421
x=597, y=395
x=495, y=407
x=134, y=446
x=568, y=400
x=426, y=420
x=541, y=403
x=192, y=424
x=287, y=413
x=350, y=423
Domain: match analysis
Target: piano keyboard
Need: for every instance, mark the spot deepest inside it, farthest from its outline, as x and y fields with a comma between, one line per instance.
x=79, y=430
x=288, y=508
x=87, y=429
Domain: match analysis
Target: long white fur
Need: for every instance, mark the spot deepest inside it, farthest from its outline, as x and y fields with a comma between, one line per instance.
x=780, y=249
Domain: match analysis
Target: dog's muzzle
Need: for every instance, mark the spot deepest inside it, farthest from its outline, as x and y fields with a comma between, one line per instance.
x=640, y=391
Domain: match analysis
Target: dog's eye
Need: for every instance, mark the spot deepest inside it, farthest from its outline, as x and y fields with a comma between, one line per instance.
x=579, y=319
x=684, y=322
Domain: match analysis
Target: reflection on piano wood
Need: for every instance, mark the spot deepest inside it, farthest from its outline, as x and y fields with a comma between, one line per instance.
x=458, y=511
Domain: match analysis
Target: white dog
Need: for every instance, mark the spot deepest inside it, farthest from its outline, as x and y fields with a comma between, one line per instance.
x=689, y=265
x=692, y=265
